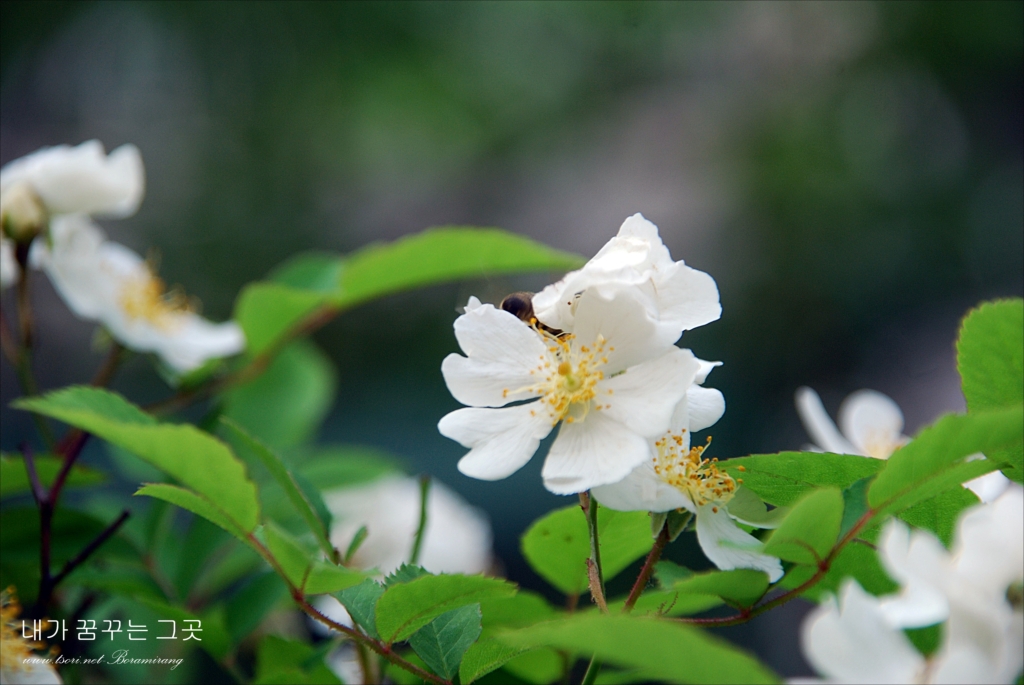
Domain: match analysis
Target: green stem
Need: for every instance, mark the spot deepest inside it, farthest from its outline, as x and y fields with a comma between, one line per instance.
x=595, y=573
x=417, y=544
x=645, y=573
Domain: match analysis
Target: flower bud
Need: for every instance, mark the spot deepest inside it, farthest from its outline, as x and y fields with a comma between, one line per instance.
x=22, y=213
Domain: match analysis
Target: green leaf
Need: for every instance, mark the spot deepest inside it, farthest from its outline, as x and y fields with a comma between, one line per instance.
x=443, y=254
x=855, y=504
x=406, y=607
x=214, y=638
x=442, y=642
x=286, y=404
x=990, y=355
x=748, y=508
x=361, y=601
x=670, y=603
x=197, y=504
x=346, y=465
x=938, y=448
x=197, y=459
x=249, y=606
x=669, y=573
x=558, y=545
x=405, y=573
x=781, y=479
x=940, y=513
x=522, y=609
x=283, y=478
x=659, y=649
x=806, y=536
x=485, y=656
x=287, y=662
x=740, y=587
x=269, y=313
x=856, y=561
x=319, y=271
x=325, y=578
x=14, y=477
x=294, y=560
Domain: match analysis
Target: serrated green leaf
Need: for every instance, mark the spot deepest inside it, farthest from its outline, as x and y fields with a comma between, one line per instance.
x=288, y=662
x=270, y=312
x=740, y=587
x=781, y=479
x=990, y=355
x=405, y=573
x=14, y=477
x=661, y=650
x=326, y=578
x=522, y=609
x=196, y=459
x=361, y=601
x=293, y=559
x=558, y=545
x=406, y=607
x=284, y=479
x=806, y=536
x=940, y=513
x=442, y=642
x=197, y=504
x=939, y=448
x=443, y=254
x=485, y=656
x=286, y=404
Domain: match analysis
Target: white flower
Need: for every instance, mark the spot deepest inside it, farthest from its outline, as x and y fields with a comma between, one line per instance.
x=76, y=180
x=872, y=426
x=860, y=640
x=612, y=382
x=677, y=476
x=20, y=662
x=9, y=270
x=672, y=292
x=104, y=281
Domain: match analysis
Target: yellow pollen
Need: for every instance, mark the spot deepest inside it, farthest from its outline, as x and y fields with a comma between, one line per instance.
x=146, y=297
x=14, y=649
x=564, y=369
x=698, y=478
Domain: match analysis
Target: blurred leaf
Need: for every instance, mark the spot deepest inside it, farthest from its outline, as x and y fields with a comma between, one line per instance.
x=747, y=507
x=295, y=561
x=442, y=642
x=740, y=587
x=277, y=469
x=540, y=666
x=197, y=504
x=522, y=609
x=406, y=607
x=682, y=654
x=120, y=580
x=196, y=459
x=855, y=560
x=806, y=536
x=781, y=479
x=318, y=271
x=669, y=573
x=443, y=254
x=14, y=477
x=937, y=449
x=288, y=662
x=270, y=312
x=940, y=513
x=344, y=466
x=286, y=404
x=201, y=540
x=558, y=545
x=668, y=603
x=249, y=606
x=855, y=504
x=213, y=639
x=485, y=656
x=360, y=601
x=325, y=578
x=990, y=355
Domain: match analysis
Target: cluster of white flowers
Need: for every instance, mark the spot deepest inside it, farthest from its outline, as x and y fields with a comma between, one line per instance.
x=597, y=355
x=974, y=590
x=48, y=199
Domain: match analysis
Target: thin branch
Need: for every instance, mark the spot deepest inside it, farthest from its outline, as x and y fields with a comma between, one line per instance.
x=421, y=529
x=106, y=371
x=594, y=574
x=38, y=492
x=648, y=568
x=7, y=342
x=89, y=549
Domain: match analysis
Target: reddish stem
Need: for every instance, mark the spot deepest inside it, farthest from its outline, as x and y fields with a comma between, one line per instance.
x=648, y=568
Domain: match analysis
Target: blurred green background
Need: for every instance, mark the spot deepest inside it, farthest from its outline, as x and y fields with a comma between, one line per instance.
x=852, y=174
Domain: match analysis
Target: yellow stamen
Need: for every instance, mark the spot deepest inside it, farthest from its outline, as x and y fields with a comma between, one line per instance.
x=686, y=470
x=147, y=297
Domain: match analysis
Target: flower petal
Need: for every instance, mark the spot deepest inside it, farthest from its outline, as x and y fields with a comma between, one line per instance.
x=590, y=452
x=989, y=487
x=73, y=264
x=641, y=490
x=9, y=269
x=633, y=336
x=989, y=543
x=644, y=396
x=704, y=406
x=728, y=546
x=852, y=643
x=501, y=441
x=81, y=179
x=687, y=297
x=818, y=424
x=504, y=354
x=872, y=422
x=916, y=561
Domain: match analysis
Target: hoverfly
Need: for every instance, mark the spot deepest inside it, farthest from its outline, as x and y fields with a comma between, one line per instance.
x=520, y=305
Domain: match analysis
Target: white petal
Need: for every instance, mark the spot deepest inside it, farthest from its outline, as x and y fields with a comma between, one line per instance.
x=989, y=543
x=989, y=487
x=704, y=407
x=591, y=452
x=852, y=643
x=332, y=609
x=81, y=179
x=644, y=396
x=546, y=305
x=624, y=322
x=728, y=546
x=501, y=441
x=74, y=264
x=917, y=561
x=872, y=422
x=191, y=340
x=641, y=490
x=503, y=355
x=30, y=674
x=706, y=367
x=818, y=424
x=9, y=269
x=687, y=297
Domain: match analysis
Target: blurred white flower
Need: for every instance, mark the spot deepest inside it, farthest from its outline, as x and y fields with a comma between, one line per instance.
x=673, y=293
x=872, y=426
x=860, y=639
x=20, y=663
x=103, y=281
x=677, y=476
x=9, y=271
x=612, y=381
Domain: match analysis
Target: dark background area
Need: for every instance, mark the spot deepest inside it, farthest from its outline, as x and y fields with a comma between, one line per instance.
x=852, y=175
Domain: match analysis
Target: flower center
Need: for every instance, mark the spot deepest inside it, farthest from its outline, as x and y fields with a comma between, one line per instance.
x=569, y=374
x=686, y=470
x=146, y=297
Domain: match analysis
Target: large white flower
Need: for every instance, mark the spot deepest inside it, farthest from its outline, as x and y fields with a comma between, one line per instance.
x=677, y=476
x=672, y=292
x=872, y=426
x=75, y=180
x=103, y=281
x=612, y=382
